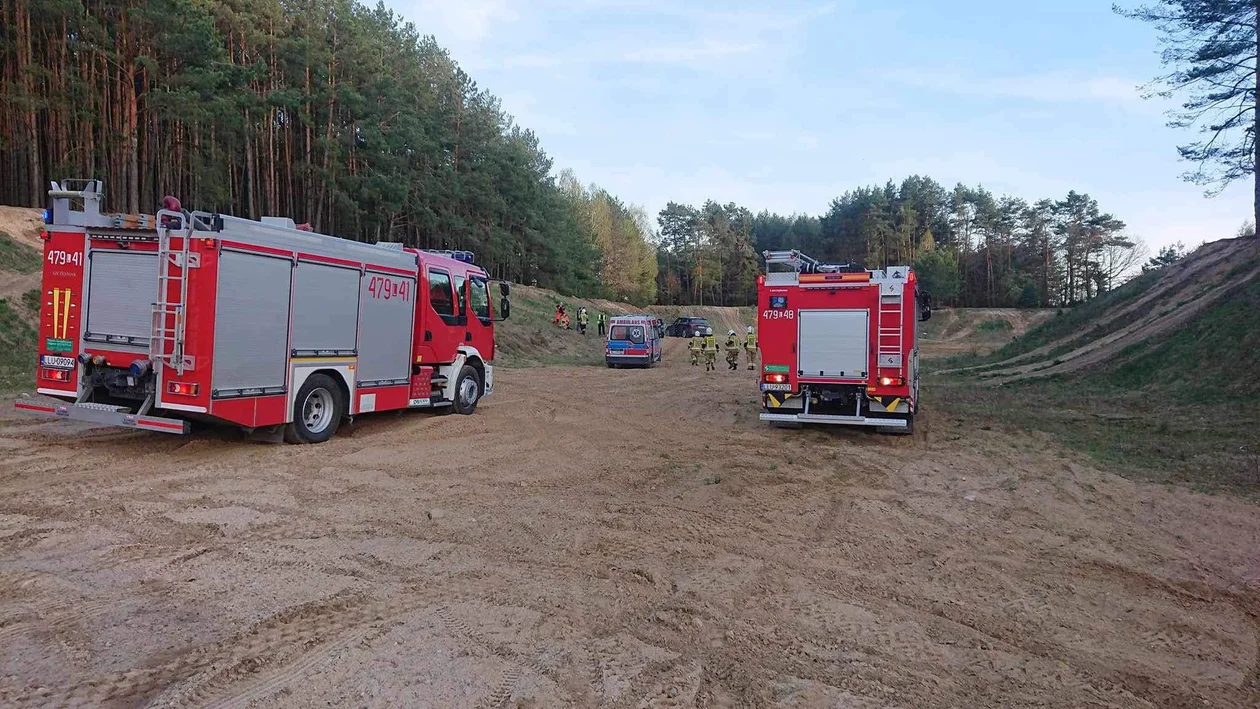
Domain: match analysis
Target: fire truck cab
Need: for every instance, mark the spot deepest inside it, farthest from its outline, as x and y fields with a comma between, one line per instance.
x=839, y=344
x=153, y=321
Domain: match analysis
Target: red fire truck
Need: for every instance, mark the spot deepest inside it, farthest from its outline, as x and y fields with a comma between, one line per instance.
x=839, y=344
x=153, y=321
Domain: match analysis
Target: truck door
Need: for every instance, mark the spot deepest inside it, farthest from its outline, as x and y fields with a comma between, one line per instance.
x=480, y=326
x=443, y=329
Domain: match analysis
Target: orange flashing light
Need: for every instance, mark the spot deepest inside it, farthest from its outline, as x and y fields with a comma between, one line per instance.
x=863, y=277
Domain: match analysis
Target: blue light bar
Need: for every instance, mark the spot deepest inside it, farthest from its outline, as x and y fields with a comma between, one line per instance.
x=464, y=256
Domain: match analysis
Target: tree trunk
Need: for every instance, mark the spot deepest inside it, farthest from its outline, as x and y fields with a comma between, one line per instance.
x=34, y=169
x=133, y=143
x=1255, y=136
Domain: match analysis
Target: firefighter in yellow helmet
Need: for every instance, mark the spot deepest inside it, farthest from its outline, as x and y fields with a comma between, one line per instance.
x=695, y=346
x=710, y=351
x=750, y=348
x=732, y=350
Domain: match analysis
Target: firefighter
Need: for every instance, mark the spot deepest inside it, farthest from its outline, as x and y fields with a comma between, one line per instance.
x=695, y=347
x=710, y=351
x=732, y=350
x=562, y=318
x=750, y=348
x=602, y=321
x=584, y=319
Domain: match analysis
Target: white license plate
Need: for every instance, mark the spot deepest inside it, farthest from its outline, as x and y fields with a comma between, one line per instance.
x=776, y=387
x=56, y=362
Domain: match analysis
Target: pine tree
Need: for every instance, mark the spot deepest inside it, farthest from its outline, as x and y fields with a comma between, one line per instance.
x=1212, y=49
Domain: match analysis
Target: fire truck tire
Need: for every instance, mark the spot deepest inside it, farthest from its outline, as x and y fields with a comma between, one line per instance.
x=467, y=391
x=317, y=411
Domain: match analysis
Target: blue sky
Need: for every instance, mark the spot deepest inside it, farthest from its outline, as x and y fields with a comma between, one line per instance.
x=784, y=105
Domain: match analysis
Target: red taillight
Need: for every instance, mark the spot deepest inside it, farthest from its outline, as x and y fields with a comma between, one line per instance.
x=891, y=381
x=775, y=378
x=57, y=375
x=182, y=388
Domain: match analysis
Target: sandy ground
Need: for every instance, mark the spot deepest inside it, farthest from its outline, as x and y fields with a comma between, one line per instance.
x=23, y=224
x=616, y=538
x=957, y=329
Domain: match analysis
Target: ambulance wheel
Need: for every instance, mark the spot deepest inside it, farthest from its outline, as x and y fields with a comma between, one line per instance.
x=467, y=391
x=317, y=411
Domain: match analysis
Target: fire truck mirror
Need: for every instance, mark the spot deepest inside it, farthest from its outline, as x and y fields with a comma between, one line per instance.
x=505, y=289
x=505, y=308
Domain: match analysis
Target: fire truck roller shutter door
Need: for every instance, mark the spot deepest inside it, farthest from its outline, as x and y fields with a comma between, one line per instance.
x=251, y=324
x=122, y=286
x=325, y=310
x=385, y=321
x=833, y=344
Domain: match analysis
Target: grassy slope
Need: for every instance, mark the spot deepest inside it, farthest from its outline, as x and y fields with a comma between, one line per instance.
x=1179, y=407
x=17, y=344
x=17, y=257
x=529, y=339
x=17, y=316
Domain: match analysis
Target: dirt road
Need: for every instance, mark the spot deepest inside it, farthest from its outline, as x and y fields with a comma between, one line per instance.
x=595, y=537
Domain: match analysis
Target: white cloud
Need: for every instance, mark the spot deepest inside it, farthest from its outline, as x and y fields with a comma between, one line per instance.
x=465, y=20
x=526, y=111
x=1054, y=87
x=754, y=136
x=692, y=53
x=808, y=141
x=709, y=38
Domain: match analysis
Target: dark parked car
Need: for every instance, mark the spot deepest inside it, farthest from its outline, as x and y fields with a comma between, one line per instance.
x=687, y=327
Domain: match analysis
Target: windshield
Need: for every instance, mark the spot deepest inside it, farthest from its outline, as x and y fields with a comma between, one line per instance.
x=632, y=333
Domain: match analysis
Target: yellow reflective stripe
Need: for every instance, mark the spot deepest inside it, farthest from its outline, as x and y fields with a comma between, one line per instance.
x=56, y=294
x=65, y=316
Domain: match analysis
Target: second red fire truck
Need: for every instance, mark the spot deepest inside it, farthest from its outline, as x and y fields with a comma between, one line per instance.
x=839, y=344
x=152, y=321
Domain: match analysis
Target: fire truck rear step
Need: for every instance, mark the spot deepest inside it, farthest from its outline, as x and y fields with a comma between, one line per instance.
x=105, y=414
x=843, y=420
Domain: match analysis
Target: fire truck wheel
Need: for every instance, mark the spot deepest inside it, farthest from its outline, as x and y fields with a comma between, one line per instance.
x=317, y=411
x=467, y=391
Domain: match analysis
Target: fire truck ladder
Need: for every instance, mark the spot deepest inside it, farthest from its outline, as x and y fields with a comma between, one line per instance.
x=166, y=343
x=801, y=263
x=891, y=321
